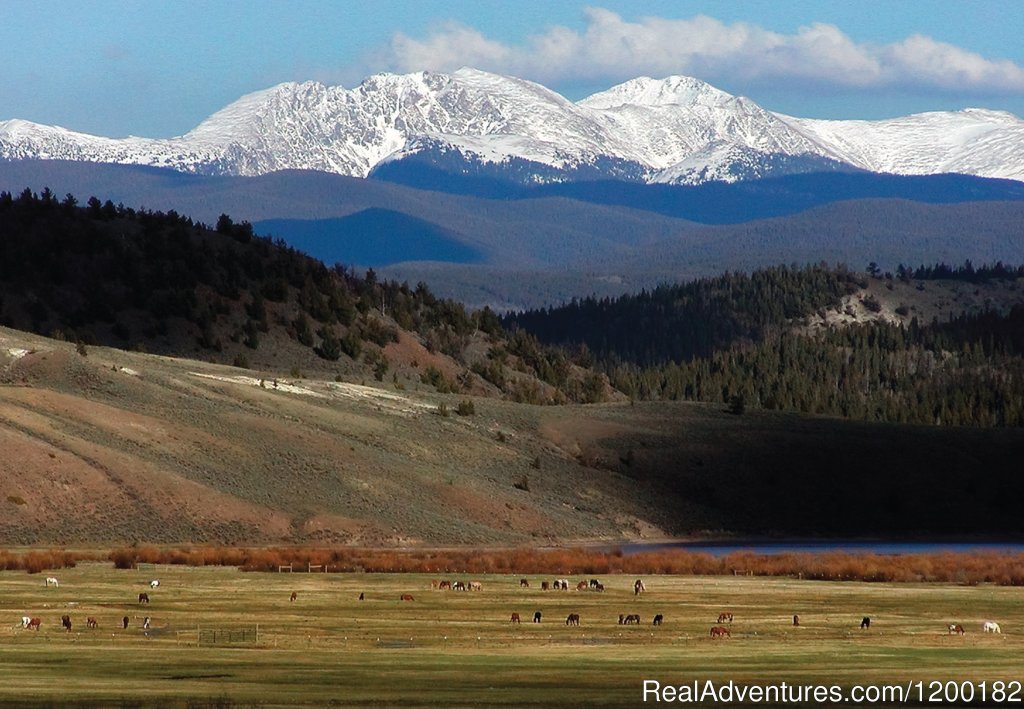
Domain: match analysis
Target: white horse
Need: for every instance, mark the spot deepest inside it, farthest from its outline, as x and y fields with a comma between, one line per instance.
x=51, y=581
x=154, y=583
x=25, y=620
x=991, y=626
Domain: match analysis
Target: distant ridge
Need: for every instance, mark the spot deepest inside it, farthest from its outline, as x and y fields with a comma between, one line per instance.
x=677, y=130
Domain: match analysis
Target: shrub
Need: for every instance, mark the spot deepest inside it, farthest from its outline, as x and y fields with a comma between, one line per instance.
x=466, y=408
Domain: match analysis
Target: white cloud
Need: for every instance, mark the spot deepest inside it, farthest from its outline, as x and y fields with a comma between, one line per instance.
x=612, y=48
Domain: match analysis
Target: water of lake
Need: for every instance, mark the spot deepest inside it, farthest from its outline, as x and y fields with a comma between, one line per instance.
x=826, y=546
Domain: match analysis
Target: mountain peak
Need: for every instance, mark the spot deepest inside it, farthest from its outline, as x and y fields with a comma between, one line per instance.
x=670, y=91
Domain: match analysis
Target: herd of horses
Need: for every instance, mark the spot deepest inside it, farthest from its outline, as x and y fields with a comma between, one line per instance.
x=32, y=623
x=717, y=631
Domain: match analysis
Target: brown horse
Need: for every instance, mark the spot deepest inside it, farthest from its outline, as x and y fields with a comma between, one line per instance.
x=293, y=596
x=638, y=587
x=796, y=620
x=719, y=632
x=65, y=622
x=956, y=628
x=90, y=622
x=407, y=597
x=658, y=619
x=573, y=619
x=445, y=586
x=581, y=586
x=865, y=623
x=124, y=622
x=33, y=623
x=723, y=617
x=524, y=583
x=631, y=620
x=143, y=598
x=544, y=586
x=514, y=618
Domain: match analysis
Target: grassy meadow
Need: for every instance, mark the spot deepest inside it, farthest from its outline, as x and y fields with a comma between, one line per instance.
x=459, y=648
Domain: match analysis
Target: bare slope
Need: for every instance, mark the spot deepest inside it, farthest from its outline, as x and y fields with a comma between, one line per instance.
x=116, y=446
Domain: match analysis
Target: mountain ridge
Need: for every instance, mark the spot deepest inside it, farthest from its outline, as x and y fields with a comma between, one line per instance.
x=678, y=129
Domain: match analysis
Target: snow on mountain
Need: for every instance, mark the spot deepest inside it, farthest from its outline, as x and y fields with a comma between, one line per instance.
x=677, y=129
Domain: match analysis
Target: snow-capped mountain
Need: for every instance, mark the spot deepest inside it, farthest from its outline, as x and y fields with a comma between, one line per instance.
x=678, y=130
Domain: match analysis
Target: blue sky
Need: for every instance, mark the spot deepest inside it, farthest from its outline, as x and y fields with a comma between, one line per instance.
x=156, y=69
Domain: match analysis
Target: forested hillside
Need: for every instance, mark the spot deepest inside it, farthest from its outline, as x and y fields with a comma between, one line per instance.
x=158, y=282
x=746, y=341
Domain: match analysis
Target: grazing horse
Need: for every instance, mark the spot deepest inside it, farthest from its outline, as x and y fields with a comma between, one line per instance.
x=658, y=619
x=458, y=586
x=65, y=622
x=536, y=617
x=573, y=619
x=524, y=583
x=154, y=583
x=991, y=626
x=544, y=586
x=514, y=618
x=599, y=587
x=25, y=620
x=362, y=596
x=145, y=623
x=956, y=628
x=865, y=623
x=407, y=597
x=594, y=583
x=631, y=620
x=796, y=620
x=51, y=581
x=445, y=586
x=143, y=598
x=433, y=584
x=90, y=622
x=124, y=622
x=621, y=619
x=33, y=624
x=723, y=617
x=476, y=586
x=581, y=586
x=294, y=596
x=719, y=632
x=638, y=587
x=562, y=584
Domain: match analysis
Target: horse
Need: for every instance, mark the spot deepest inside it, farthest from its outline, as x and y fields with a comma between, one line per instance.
x=90, y=622
x=562, y=584
x=458, y=586
x=956, y=628
x=294, y=596
x=124, y=622
x=536, y=617
x=65, y=622
x=573, y=619
x=581, y=586
x=154, y=583
x=433, y=584
x=33, y=624
x=25, y=620
x=719, y=632
x=544, y=586
x=621, y=619
x=638, y=587
x=796, y=620
x=658, y=619
x=51, y=581
x=594, y=583
x=599, y=587
x=476, y=586
x=407, y=597
x=362, y=596
x=524, y=583
x=143, y=598
x=991, y=626
x=865, y=623
x=445, y=586
x=145, y=623
x=723, y=617
x=632, y=619
x=514, y=618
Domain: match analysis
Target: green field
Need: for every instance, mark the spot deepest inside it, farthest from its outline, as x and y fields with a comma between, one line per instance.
x=458, y=648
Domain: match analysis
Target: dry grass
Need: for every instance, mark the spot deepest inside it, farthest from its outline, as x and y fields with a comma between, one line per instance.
x=453, y=648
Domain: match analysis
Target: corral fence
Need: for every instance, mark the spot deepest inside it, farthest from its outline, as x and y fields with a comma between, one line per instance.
x=238, y=635
x=143, y=566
